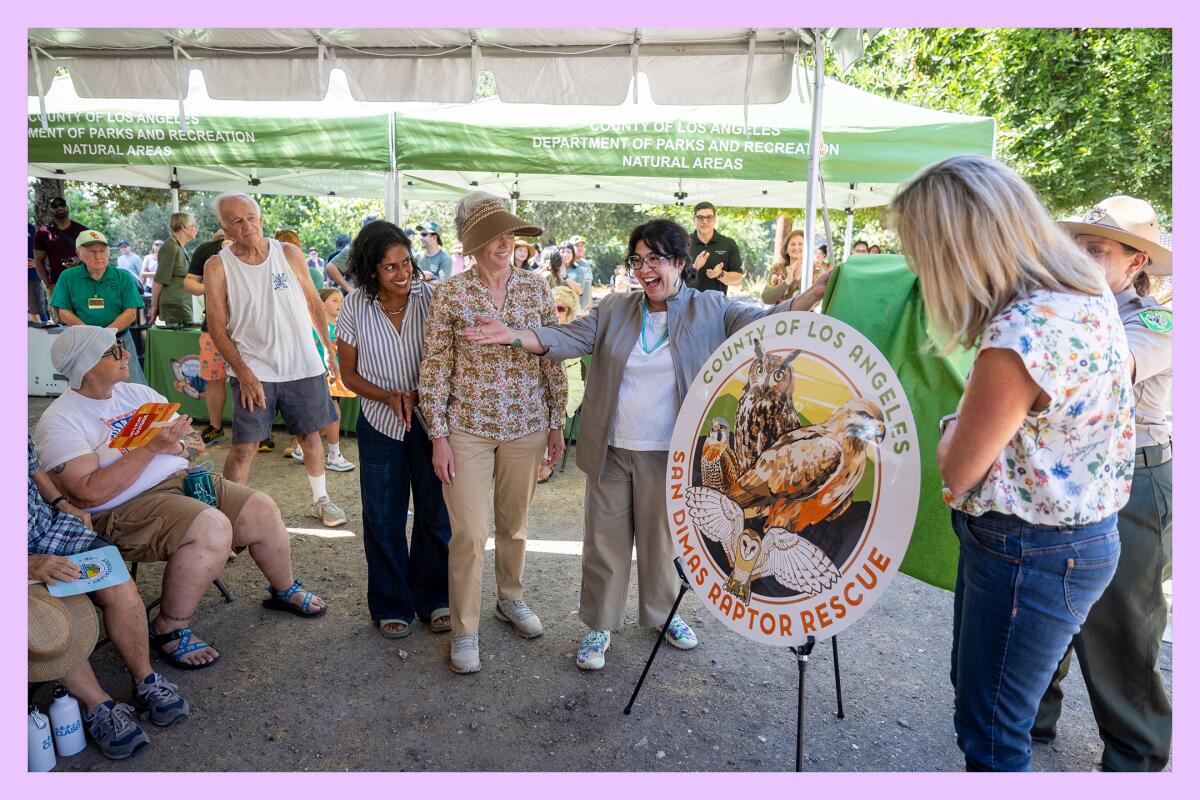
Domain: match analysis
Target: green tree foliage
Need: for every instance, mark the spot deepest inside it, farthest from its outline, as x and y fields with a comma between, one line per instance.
x=1082, y=114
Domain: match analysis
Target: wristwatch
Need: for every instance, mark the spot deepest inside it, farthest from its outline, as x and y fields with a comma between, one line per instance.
x=516, y=343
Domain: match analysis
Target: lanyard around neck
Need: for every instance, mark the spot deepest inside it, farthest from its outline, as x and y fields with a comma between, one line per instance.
x=642, y=338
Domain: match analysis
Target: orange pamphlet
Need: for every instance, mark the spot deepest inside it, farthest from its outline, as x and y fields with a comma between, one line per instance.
x=144, y=425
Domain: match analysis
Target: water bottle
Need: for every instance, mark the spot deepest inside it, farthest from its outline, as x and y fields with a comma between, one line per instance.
x=198, y=484
x=41, y=744
x=67, y=724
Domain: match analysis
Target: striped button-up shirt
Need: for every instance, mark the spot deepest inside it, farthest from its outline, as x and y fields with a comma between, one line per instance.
x=487, y=390
x=385, y=358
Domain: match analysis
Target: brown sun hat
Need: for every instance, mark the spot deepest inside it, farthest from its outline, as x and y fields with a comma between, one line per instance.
x=489, y=220
x=63, y=632
x=1129, y=221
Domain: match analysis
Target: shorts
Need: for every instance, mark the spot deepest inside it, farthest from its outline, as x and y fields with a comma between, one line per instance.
x=152, y=526
x=212, y=366
x=305, y=405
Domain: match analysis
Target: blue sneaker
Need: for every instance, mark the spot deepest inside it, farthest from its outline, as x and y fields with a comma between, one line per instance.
x=680, y=635
x=162, y=701
x=115, y=730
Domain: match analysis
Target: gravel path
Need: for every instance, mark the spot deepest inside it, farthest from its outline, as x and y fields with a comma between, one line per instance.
x=331, y=694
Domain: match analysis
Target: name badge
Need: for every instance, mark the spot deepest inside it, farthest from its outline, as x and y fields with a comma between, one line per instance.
x=95, y=302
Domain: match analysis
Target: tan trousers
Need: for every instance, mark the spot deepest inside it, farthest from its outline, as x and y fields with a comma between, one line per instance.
x=627, y=506
x=478, y=464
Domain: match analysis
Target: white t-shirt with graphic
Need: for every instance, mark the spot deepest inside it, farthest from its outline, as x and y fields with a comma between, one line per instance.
x=75, y=425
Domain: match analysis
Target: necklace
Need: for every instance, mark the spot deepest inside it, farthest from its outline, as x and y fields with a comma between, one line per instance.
x=645, y=320
x=386, y=310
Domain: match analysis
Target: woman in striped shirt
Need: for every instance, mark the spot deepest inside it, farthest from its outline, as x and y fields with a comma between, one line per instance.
x=380, y=345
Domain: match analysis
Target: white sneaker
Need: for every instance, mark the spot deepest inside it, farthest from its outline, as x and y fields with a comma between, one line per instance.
x=680, y=635
x=338, y=463
x=464, y=653
x=328, y=512
x=297, y=454
x=591, y=652
x=517, y=614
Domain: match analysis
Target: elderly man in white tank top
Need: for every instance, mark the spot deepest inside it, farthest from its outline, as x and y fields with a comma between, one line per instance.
x=262, y=310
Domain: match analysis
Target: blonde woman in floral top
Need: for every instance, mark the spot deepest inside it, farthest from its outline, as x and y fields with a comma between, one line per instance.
x=494, y=416
x=1039, y=457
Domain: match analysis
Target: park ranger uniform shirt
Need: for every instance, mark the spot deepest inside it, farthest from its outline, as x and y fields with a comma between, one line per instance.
x=721, y=250
x=1148, y=331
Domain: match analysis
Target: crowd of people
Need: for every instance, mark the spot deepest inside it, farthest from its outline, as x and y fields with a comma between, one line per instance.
x=1056, y=465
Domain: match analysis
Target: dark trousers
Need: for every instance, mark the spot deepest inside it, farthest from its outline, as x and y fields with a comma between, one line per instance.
x=1118, y=645
x=400, y=584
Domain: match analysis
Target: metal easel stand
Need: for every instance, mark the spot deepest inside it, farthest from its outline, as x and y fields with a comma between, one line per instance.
x=802, y=654
x=684, y=586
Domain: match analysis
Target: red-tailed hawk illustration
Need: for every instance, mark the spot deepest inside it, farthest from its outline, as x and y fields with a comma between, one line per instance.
x=809, y=474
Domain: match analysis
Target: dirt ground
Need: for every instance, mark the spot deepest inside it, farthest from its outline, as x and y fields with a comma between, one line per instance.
x=331, y=694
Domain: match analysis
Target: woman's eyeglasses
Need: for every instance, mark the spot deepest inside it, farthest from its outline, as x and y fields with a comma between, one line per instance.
x=654, y=260
x=117, y=351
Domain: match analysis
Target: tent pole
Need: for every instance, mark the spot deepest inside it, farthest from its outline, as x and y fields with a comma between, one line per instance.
x=814, y=155
x=848, y=244
x=391, y=191
x=174, y=191
x=397, y=191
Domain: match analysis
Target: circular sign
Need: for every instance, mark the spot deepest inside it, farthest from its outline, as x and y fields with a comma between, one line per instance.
x=793, y=478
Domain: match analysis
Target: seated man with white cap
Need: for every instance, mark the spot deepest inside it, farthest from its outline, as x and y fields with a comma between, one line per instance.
x=136, y=497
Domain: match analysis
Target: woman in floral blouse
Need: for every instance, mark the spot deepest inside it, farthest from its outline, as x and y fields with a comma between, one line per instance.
x=494, y=415
x=1039, y=457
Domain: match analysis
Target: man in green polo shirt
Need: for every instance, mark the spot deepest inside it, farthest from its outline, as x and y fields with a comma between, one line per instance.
x=716, y=257
x=102, y=294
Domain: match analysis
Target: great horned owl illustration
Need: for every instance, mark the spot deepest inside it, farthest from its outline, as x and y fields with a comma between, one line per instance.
x=809, y=474
x=765, y=411
x=717, y=464
x=791, y=559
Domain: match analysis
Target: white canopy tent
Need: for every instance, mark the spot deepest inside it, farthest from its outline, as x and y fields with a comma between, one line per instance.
x=750, y=77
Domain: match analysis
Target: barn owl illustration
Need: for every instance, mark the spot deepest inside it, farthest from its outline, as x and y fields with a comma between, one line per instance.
x=765, y=411
x=791, y=559
x=717, y=464
x=809, y=474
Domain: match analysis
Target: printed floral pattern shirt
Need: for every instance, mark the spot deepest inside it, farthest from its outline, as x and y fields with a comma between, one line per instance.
x=487, y=390
x=1071, y=463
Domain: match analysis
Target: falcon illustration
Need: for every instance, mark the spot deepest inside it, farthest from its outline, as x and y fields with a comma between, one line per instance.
x=792, y=560
x=809, y=474
x=717, y=463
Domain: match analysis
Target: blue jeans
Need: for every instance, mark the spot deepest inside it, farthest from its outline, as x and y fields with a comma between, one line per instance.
x=401, y=585
x=1023, y=591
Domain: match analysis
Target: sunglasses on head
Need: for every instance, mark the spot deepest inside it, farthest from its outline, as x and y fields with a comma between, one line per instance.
x=561, y=309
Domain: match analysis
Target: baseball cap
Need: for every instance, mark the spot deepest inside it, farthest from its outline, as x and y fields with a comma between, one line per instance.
x=576, y=240
x=123, y=243
x=91, y=237
x=57, y=201
x=430, y=227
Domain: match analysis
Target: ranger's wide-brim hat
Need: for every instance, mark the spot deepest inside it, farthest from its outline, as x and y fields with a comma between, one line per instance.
x=63, y=632
x=489, y=220
x=1129, y=221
